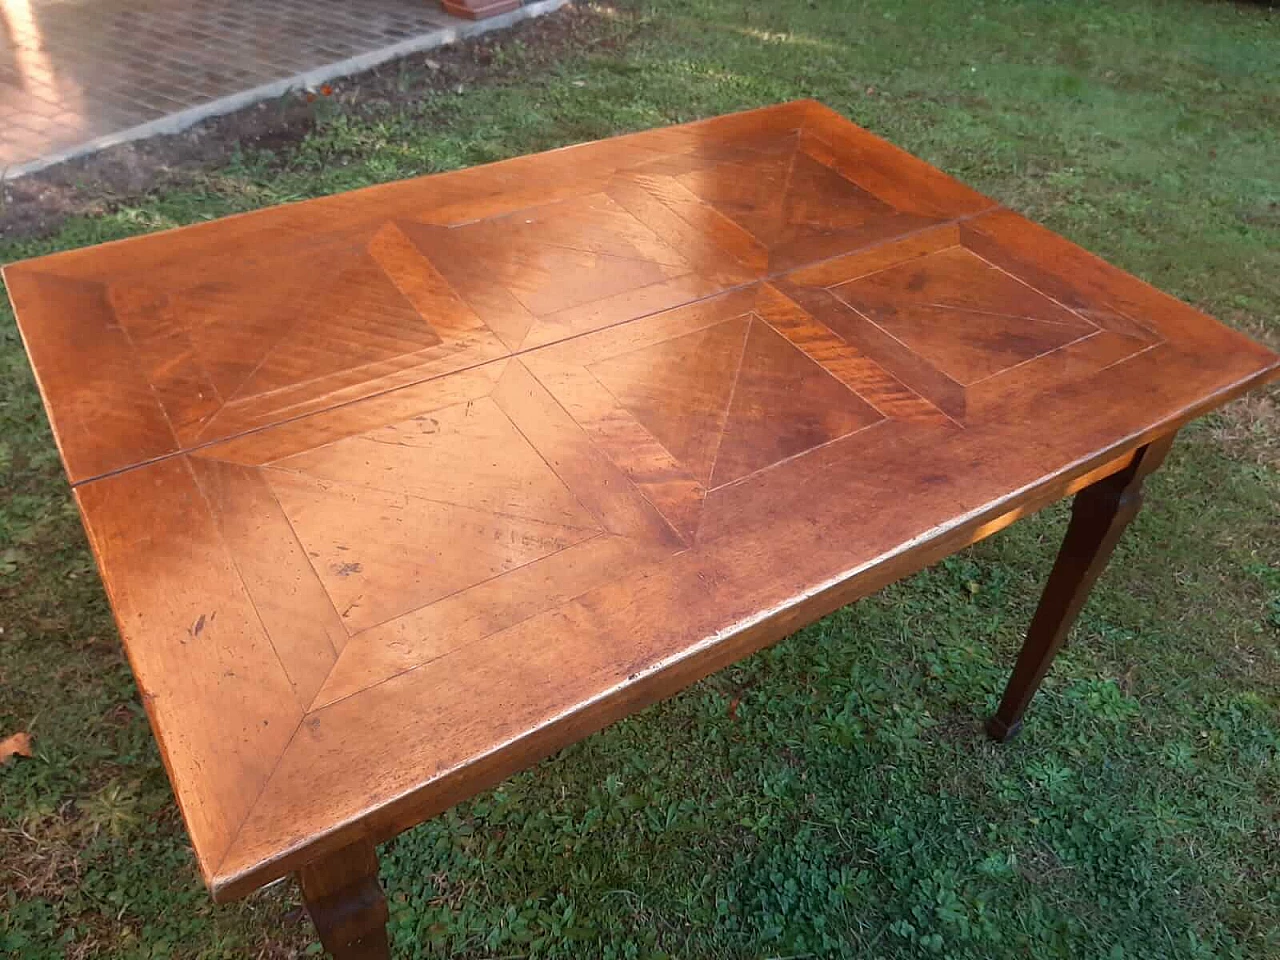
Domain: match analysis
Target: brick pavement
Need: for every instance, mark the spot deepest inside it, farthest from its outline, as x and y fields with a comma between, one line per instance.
x=77, y=75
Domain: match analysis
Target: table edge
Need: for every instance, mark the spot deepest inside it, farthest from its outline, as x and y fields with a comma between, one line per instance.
x=393, y=816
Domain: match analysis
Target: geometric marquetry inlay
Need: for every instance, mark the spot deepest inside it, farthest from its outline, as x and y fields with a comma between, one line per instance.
x=231, y=328
x=732, y=398
x=964, y=316
x=394, y=492
x=796, y=206
x=397, y=517
x=963, y=328
x=426, y=519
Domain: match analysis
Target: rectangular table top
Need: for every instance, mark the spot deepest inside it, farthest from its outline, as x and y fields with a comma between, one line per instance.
x=396, y=491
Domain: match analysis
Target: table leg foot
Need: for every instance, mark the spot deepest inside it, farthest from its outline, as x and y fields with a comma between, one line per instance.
x=1099, y=515
x=346, y=903
x=998, y=731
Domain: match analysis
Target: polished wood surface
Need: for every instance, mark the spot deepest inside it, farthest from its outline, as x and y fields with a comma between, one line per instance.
x=396, y=492
x=151, y=346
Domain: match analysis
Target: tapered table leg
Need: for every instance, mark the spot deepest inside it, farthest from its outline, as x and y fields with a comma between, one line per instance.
x=346, y=903
x=1099, y=516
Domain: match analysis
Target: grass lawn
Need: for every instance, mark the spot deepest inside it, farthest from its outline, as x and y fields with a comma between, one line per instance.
x=833, y=796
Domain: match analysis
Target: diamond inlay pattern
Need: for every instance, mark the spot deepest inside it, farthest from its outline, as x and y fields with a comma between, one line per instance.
x=732, y=399
x=394, y=492
x=427, y=507
x=279, y=314
x=959, y=327
x=968, y=318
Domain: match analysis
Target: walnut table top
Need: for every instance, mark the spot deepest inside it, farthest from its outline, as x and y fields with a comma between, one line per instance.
x=397, y=491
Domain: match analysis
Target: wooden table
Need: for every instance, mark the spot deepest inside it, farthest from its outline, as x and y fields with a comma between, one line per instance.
x=398, y=491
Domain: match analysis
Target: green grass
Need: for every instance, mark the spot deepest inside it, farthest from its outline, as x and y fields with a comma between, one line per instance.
x=831, y=797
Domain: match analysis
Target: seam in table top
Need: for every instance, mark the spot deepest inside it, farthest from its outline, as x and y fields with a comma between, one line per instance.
x=514, y=354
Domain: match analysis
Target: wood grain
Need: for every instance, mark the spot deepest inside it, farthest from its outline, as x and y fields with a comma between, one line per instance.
x=346, y=903
x=396, y=492
x=219, y=696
